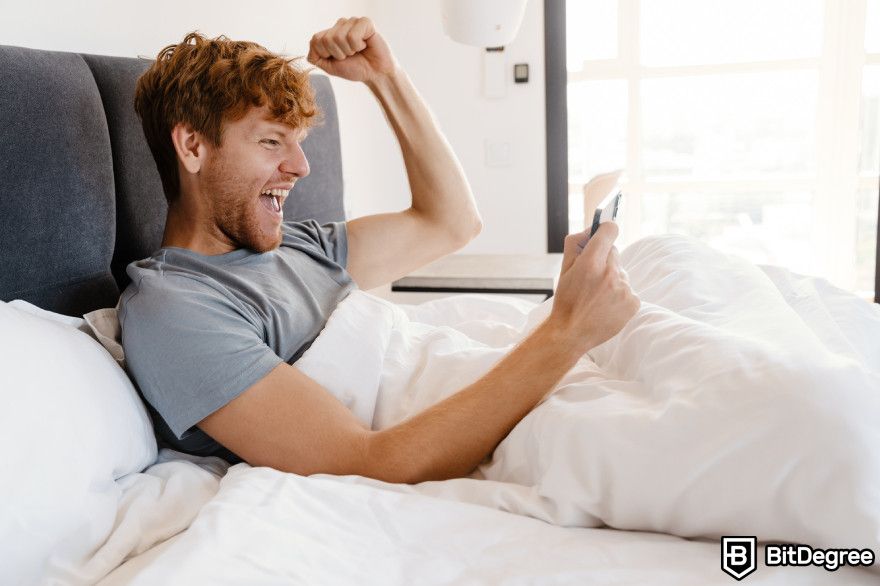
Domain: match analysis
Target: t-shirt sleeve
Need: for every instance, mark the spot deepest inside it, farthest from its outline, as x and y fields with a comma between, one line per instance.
x=191, y=350
x=331, y=238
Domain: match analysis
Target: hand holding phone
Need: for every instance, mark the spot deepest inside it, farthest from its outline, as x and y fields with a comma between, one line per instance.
x=606, y=186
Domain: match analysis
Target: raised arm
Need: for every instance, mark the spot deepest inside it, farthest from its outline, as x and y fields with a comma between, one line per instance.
x=443, y=215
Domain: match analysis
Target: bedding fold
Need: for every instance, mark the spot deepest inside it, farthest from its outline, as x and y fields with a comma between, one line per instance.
x=739, y=400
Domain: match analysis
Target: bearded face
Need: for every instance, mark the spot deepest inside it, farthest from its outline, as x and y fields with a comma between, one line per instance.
x=245, y=181
x=237, y=209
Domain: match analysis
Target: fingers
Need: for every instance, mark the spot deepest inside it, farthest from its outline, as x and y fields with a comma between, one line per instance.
x=344, y=39
x=314, y=57
x=325, y=46
x=614, y=259
x=614, y=266
x=632, y=300
x=361, y=31
x=571, y=248
x=599, y=247
x=316, y=50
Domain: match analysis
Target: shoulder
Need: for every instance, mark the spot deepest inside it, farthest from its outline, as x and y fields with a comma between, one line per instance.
x=170, y=299
x=309, y=230
x=328, y=240
x=151, y=283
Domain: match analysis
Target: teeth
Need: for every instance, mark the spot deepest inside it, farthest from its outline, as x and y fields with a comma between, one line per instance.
x=275, y=192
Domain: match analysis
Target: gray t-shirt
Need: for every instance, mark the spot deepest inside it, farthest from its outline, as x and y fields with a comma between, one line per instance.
x=199, y=330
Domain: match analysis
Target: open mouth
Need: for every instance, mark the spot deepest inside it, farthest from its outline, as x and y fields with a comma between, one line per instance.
x=272, y=198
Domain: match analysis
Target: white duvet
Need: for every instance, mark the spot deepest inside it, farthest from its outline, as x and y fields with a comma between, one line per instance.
x=738, y=401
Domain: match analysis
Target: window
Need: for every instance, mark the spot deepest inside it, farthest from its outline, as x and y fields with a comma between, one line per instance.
x=753, y=125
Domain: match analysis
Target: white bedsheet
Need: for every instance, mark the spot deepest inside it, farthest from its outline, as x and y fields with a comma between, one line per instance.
x=739, y=401
x=268, y=527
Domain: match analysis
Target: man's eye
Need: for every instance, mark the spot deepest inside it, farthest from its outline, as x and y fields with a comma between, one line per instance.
x=270, y=141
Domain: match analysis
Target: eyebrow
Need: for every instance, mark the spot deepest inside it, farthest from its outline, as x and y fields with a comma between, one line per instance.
x=269, y=127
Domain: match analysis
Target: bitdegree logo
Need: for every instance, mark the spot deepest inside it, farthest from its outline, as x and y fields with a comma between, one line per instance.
x=738, y=558
x=787, y=554
x=739, y=555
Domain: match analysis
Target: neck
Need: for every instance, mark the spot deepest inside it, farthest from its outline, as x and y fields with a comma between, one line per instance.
x=185, y=228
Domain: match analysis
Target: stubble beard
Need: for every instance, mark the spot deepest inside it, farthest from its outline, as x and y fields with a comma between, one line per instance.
x=235, y=213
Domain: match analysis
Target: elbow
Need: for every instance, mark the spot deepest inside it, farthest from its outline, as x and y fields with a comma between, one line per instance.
x=385, y=460
x=477, y=227
x=467, y=231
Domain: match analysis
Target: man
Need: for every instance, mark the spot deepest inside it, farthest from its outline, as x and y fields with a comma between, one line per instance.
x=214, y=321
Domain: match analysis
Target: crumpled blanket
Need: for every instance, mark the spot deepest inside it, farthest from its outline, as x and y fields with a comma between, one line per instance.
x=740, y=400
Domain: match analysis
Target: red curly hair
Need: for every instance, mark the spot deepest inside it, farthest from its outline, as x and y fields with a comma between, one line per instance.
x=203, y=82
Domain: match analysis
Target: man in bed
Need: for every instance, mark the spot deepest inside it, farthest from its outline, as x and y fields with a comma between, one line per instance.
x=214, y=321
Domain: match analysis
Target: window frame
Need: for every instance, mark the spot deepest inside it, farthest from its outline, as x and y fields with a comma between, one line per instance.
x=556, y=90
x=556, y=108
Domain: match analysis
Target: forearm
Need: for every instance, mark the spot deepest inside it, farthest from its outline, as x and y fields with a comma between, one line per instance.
x=440, y=190
x=452, y=437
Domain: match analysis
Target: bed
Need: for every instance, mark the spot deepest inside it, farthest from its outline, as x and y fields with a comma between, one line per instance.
x=89, y=497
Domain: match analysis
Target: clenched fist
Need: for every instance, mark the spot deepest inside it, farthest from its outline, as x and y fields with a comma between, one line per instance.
x=353, y=50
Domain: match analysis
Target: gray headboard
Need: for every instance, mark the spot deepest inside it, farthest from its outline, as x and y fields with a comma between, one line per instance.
x=80, y=196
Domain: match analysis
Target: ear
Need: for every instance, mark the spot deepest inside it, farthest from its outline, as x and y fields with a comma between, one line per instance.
x=190, y=146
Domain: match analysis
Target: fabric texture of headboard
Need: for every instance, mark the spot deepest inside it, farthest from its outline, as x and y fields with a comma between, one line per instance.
x=80, y=196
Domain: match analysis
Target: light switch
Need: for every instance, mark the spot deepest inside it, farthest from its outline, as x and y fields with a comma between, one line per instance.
x=498, y=153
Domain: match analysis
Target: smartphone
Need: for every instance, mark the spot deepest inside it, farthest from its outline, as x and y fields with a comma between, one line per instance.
x=607, y=212
x=605, y=191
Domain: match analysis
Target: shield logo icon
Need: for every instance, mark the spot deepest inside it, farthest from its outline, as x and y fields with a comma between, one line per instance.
x=739, y=555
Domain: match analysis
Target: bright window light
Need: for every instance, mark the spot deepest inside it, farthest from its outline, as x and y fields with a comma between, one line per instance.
x=753, y=125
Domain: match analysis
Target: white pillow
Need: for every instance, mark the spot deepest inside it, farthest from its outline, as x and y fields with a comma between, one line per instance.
x=77, y=322
x=71, y=424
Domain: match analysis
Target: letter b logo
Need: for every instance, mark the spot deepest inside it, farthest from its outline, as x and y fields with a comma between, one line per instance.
x=738, y=555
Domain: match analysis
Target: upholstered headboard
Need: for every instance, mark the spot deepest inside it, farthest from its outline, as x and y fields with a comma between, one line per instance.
x=80, y=196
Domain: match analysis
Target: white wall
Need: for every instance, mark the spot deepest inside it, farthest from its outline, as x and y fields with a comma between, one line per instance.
x=511, y=199
x=118, y=27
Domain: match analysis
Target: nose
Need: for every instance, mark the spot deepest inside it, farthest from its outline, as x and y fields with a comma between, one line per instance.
x=295, y=163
